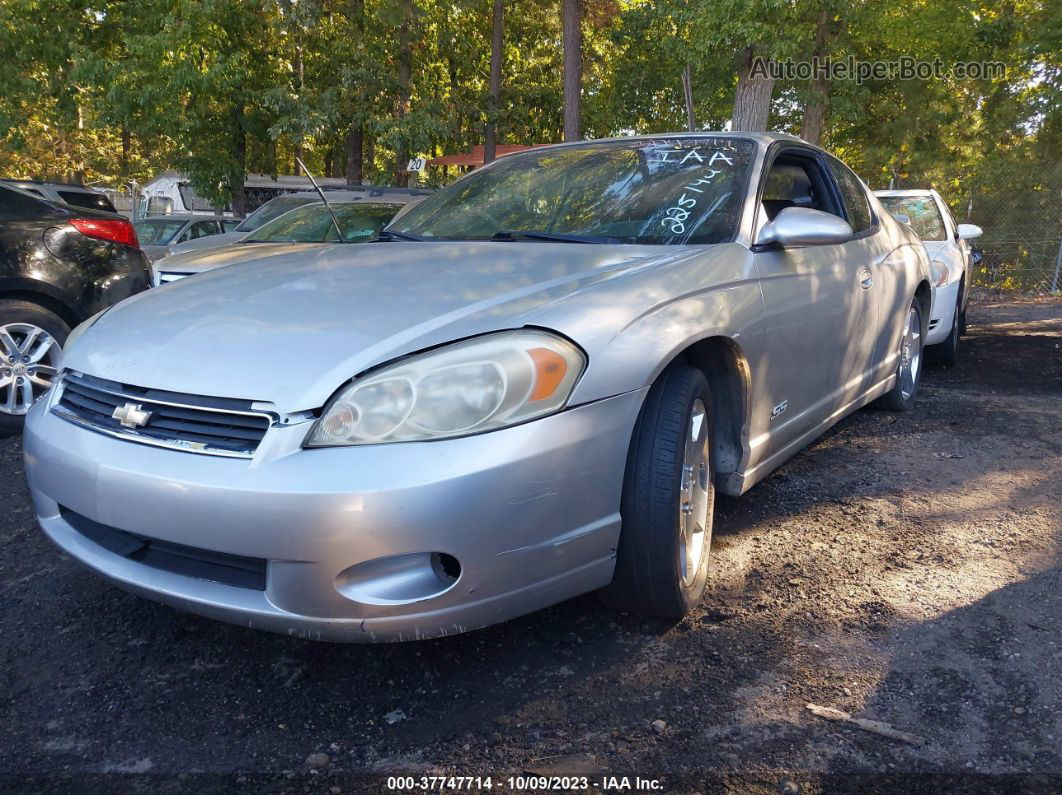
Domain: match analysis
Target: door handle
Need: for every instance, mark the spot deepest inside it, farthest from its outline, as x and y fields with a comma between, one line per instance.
x=866, y=280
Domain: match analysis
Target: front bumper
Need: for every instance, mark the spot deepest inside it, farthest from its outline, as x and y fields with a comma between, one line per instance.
x=530, y=513
x=945, y=301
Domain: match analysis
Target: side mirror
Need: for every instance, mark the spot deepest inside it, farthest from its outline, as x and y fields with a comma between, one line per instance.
x=802, y=226
x=968, y=231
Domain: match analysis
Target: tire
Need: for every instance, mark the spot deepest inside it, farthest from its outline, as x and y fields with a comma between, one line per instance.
x=962, y=318
x=27, y=331
x=657, y=573
x=946, y=353
x=904, y=392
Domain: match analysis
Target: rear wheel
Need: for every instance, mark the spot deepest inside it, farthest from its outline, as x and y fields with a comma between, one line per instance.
x=668, y=501
x=909, y=366
x=31, y=340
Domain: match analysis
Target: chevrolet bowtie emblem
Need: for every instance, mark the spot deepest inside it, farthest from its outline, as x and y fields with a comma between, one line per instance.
x=131, y=415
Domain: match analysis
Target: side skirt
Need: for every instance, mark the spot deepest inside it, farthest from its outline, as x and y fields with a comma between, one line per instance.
x=737, y=483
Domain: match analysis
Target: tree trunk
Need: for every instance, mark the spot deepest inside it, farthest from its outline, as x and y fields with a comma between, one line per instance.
x=490, y=137
x=127, y=145
x=687, y=96
x=239, y=157
x=572, y=34
x=405, y=73
x=355, y=134
x=369, y=167
x=355, y=150
x=818, y=96
x=752, y=100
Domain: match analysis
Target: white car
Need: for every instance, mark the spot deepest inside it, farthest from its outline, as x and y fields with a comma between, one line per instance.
x=949, y=254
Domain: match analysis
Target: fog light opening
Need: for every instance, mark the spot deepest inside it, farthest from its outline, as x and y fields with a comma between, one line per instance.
x=445, y=566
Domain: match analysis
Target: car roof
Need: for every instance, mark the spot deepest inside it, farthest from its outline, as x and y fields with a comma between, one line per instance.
x=46, y=184
x=907, y=192
x=762, y=139
x=187, y=217
x=366, y=191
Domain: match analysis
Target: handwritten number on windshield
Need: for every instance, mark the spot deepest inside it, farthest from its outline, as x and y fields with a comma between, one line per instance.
x=675, y=217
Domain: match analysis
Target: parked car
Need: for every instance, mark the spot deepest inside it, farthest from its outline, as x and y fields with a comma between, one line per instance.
x=951, y=256
x=158, y=235
x=530, y=388
x=279, y=205
x=58, y=266
x=307, y=226
x=64, y=193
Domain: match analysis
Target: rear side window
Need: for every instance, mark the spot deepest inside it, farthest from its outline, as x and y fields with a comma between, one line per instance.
x=921, y=211
x=854, y=195
x=92, y=201
x=15, y=204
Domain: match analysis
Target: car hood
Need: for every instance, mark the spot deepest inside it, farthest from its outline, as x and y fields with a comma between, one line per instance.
x=204, y=260
x=154, y=252
x=290, y=329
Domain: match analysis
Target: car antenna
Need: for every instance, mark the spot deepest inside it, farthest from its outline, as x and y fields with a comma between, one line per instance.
x=316, y=187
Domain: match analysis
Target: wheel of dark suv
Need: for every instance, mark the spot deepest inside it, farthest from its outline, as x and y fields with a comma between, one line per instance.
x=668, y=501
x=946, y=352
x=909, y=366
x=31, y=340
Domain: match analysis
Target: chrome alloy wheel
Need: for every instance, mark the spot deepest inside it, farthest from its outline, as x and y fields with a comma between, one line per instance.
x=693, y=495
x=910, y=354
x=28, y=359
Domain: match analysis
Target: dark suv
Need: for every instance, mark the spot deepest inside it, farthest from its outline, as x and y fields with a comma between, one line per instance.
x=58, y=266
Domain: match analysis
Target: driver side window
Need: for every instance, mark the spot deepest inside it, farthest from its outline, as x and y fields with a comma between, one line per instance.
x=794, y=179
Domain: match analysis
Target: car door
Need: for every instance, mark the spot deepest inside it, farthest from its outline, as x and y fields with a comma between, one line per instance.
x=883, y=298
x=820, y=317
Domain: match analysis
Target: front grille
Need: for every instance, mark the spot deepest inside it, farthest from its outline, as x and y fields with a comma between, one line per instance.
x=215, y=426
x=235, y=570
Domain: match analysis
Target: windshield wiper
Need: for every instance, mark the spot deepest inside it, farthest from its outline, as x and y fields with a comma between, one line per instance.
x=557, y=237
x=390, y=236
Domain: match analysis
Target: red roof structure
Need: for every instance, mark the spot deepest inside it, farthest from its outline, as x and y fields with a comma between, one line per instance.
x=475, y=157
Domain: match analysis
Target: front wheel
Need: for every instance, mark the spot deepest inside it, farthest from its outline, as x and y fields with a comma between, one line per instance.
x=30, y=341
x=909, y=365
x=946, y=352
x=668, y=501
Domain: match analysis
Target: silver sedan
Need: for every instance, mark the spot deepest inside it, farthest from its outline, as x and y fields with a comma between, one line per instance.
x=531, y=386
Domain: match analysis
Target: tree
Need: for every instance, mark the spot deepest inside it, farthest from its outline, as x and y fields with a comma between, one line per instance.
x=752, y=96
x=571, y=24
x=490, y=135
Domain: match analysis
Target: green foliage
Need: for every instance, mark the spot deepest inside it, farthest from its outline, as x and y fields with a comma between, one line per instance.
x=107, y=91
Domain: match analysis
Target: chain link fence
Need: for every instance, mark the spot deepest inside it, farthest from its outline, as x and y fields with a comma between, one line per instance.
x=1021, y=248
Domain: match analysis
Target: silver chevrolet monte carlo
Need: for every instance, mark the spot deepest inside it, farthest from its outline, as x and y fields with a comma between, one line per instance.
x=531, y=387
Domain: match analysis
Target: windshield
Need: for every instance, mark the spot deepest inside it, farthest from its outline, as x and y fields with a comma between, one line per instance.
x=921, y=211
x=311, y=223
x=659, y=191
x=157, y=231
x=274, y=208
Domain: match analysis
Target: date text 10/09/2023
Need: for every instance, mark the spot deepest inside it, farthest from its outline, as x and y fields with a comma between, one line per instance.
x=525, y=783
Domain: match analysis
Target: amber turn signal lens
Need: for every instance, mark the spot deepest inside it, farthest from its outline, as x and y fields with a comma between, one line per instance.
x=550, y=369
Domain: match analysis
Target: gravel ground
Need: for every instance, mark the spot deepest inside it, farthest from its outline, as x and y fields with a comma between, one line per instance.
x=905, y=569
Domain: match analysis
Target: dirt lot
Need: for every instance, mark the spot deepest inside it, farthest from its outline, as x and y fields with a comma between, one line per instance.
x=905, y=569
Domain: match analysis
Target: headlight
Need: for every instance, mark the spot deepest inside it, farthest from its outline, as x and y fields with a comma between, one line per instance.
x=480, y=384
x=938, y=271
